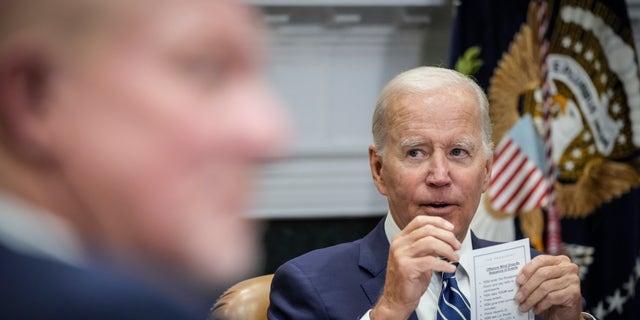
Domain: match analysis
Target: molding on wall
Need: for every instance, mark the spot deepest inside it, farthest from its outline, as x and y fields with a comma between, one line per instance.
x=320, y=187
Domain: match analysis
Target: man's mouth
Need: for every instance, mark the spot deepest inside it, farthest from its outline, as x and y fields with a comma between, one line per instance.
x=437, y=204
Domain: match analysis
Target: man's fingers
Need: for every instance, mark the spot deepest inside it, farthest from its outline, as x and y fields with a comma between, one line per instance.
x=427, y=240
x=433, y=246
x=420, y=221
x=439, y=265
x=563, y=297
x=423, y=256
x=537, y=269
x=536, y=296
x=548, y=281
x=425, y=226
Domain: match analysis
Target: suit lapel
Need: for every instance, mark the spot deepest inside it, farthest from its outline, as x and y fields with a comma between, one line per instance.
x=477, y=243
x=374, y=250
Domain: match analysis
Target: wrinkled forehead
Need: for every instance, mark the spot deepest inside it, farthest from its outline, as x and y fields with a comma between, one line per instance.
x=443, y=109
x=58, y=15
x=83, y=20
x=412, y=103
x=225, y=17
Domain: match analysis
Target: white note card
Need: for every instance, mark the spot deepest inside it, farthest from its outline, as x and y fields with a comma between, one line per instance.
x=493, y=281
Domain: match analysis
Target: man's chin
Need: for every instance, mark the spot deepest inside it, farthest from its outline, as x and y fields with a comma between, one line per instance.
x=226, y=262
x=237, y=263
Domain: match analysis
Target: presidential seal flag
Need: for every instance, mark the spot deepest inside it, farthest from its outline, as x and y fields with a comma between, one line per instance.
x=585, y=67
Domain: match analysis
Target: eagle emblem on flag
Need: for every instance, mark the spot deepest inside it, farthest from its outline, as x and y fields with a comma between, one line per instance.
x=595, y=92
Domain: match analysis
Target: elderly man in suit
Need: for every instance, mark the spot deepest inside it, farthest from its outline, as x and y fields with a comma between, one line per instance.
x=431, y=158
x=130, y=131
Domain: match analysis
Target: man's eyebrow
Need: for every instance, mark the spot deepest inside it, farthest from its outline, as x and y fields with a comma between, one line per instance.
x=411, y=143
x=464, y=144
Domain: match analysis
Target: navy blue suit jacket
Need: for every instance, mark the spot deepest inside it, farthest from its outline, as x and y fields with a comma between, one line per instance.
x=40, y=288
x=339, y=282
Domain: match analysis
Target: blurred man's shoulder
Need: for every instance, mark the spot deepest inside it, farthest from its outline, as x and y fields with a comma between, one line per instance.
x=35, y=287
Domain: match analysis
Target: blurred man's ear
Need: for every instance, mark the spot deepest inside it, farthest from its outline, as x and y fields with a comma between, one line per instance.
x=25, y=74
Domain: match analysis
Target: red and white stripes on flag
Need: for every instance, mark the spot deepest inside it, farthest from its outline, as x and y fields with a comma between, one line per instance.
x=516, y=184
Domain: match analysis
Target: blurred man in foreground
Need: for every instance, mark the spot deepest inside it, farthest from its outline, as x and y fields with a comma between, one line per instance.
x=431, y=158
x=130, y=132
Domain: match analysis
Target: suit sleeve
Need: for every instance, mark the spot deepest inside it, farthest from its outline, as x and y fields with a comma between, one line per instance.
x=293, y=296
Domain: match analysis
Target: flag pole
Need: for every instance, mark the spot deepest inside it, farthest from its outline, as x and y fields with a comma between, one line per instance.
x=553, y=229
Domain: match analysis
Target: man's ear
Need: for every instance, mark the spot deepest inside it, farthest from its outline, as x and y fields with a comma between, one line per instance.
x=375, y=163
x=25, y=74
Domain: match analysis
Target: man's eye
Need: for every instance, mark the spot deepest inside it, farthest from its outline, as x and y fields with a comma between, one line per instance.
x=457, y=152
x=205, y=70
x=414, y=153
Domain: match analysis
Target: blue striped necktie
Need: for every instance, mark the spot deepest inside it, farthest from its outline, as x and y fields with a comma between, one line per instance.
x=452, y=304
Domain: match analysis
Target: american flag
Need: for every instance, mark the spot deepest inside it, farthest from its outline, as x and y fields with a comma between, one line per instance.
x=517, y=183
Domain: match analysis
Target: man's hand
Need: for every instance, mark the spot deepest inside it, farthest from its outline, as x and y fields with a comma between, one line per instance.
x=414, y=253
x=550, y=286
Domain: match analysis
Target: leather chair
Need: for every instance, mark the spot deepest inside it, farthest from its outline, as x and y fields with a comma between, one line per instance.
x=246, y=300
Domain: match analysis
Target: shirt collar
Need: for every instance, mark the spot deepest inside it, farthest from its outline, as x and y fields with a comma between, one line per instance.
x=27, y=229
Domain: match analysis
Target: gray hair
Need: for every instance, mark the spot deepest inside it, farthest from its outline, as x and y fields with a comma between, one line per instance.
x=423, y=79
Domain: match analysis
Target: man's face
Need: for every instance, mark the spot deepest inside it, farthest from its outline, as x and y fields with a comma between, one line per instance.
x=434, y=162
x=160, y=131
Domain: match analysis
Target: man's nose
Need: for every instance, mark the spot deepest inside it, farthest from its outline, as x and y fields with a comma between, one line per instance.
x=438, y=173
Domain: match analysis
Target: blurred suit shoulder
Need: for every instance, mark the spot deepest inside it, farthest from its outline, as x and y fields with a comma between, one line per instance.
x=40, y=288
